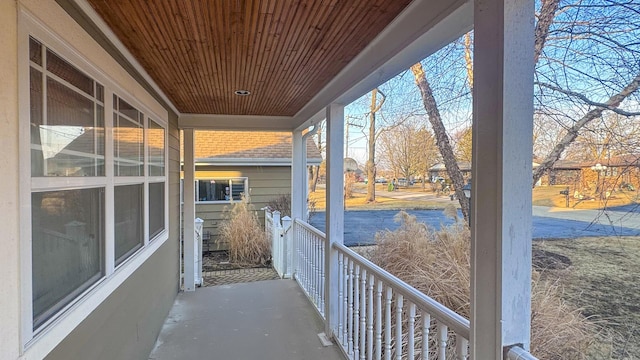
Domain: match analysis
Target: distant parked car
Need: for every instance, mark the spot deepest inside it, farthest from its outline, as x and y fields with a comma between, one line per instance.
x=404, y=182
x=381, y=181
x=435, y=179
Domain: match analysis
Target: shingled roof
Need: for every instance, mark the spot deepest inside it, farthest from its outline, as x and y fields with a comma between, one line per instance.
x=249, y=147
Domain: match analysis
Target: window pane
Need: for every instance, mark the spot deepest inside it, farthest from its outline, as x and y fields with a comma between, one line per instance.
x=37, y=159
x=220, y=189
x=67, y=236
x=129, y=220
x=127, y=110
x=69, y=73
x=128, y=146
x=70, y=141
x=156, y=149
x=35, y=51
x=156, y=209
x=237, y=188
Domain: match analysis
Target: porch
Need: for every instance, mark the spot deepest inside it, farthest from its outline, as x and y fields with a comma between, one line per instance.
x=257, y=320
x=374, y=314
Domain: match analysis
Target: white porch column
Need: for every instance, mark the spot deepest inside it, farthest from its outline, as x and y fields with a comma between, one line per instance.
x=189, y=210
x=502, y=176
x=334, y=212
x=298, y=171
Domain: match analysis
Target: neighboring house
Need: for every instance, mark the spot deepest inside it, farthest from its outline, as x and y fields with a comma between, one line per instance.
x=563, y=172
x=440, y=170
x=618, y=172
x=232, y=163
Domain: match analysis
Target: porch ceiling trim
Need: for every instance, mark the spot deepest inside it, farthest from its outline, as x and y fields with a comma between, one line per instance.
x=235, y=122
x=87, y=9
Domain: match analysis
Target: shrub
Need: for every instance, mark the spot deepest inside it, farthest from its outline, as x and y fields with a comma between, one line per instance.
x=438, y=262
x=248, y=244
x=281, y=203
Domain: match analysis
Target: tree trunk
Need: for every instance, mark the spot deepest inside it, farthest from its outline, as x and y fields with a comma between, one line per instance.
x=314, y=170
x=442, y=139
x=545, y=18
x=371, y=161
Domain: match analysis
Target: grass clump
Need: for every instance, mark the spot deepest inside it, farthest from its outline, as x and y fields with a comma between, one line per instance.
x=248, y=244
x=437, y=263
x=281, y=203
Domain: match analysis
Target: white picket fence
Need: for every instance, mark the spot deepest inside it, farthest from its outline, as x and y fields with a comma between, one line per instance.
x=280, y=238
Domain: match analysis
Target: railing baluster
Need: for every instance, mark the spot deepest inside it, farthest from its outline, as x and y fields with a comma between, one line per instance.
x=411, y=331
x=387, y=324
x=370, y=318
x=426, y=324
x=461, y=347
x=350, y=339
x=345, y=274
x=314, y=271
x=379, y=320
x=341, y=307
x=399, y=301
x=356, y=314
x=442, y=340
x=363, y=314
x=322, y=255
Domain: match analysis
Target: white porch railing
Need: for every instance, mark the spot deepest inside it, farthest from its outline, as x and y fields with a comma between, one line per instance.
x=380, y=316
x=309, y=261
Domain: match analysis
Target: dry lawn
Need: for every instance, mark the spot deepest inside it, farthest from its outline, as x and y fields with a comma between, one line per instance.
x=382, y=203
x=550, y=196
x=603, y=279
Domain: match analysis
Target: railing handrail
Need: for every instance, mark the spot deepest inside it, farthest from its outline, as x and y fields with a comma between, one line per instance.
x=518, y=353
x=454, y=321
x=310, y=227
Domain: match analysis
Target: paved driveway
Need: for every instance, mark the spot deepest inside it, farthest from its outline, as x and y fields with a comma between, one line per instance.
x=361, y=226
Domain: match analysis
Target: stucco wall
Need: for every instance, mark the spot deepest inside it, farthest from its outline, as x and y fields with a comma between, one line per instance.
x=265, y=183
x=9, y=204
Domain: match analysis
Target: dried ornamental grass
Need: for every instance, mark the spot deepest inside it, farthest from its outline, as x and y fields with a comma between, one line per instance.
x=437, y=263
x=248, y=244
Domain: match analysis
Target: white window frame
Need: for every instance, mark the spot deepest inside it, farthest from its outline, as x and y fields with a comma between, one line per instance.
x=37, y=343
x=221, y=178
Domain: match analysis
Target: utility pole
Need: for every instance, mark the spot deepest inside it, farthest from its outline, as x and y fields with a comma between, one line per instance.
x=347, y=124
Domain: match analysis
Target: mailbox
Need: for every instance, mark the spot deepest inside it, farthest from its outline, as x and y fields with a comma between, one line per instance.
x=564, y=192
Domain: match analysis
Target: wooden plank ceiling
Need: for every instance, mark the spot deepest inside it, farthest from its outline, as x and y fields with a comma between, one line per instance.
x=283, y=51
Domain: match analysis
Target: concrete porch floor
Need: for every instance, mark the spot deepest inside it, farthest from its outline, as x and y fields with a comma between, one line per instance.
x=259, y=320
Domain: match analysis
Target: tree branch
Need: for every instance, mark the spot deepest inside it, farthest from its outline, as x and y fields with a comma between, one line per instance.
x=572, y=133
x=609, y=105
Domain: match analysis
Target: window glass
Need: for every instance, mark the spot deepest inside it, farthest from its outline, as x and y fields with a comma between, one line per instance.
x=156, y=209
x=128, y=136
x=35, y=51
x=220, y=189
x=69, y=73
x=67, y=139
x=156, y=149
x=129, y=220
x=67, y=232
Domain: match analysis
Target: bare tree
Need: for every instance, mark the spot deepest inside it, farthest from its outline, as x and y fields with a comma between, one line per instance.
x=314, y=171
x=442, y=139
x=409, y=149
x=371, y=160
